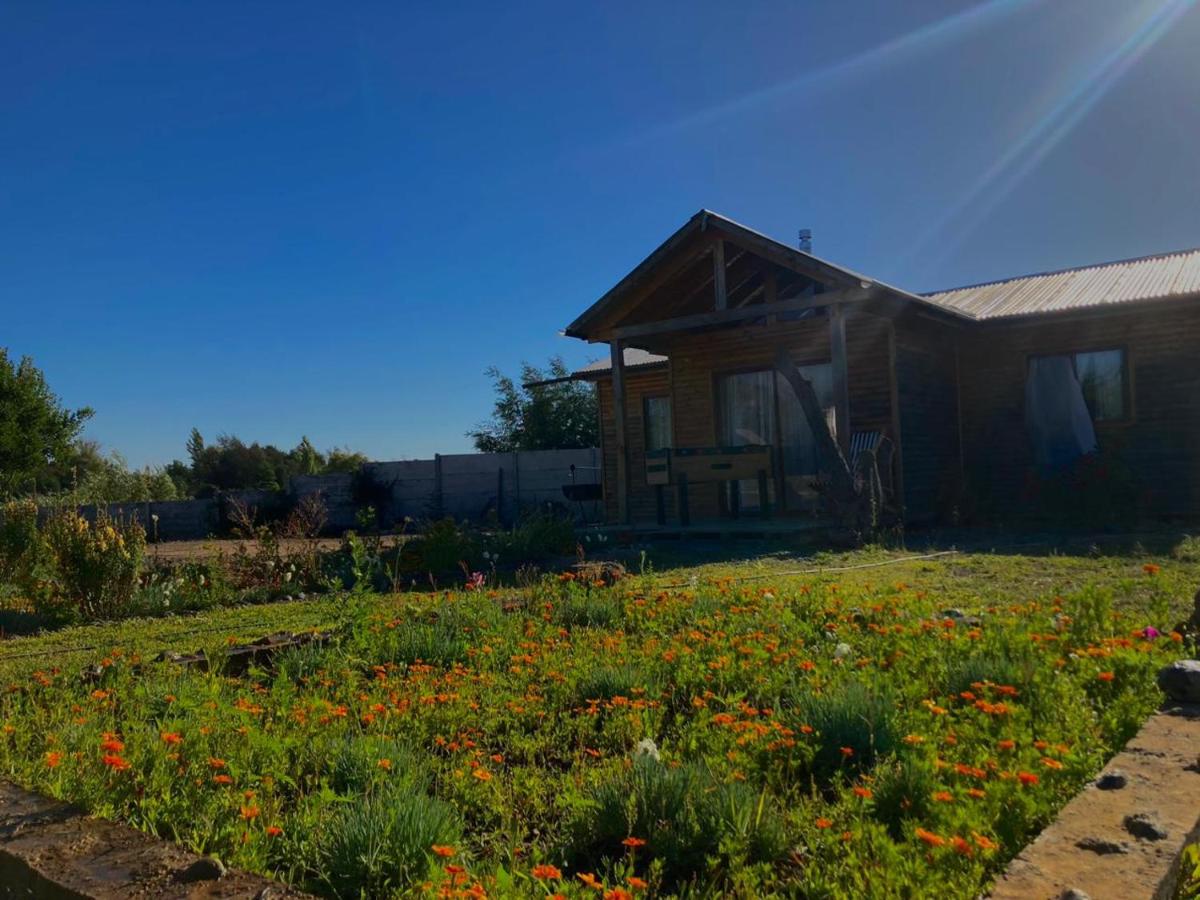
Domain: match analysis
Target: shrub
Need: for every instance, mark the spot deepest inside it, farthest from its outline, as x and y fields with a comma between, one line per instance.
x=380, y=843
x=96, y=565
x=606, y=682
x=536, y=536
x=21, y=549
x=855, y=716
x=356, y=764
x=683, y=816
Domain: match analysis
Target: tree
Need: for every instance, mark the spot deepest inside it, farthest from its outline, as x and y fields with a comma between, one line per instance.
x=36, y=431
x=231, y=464
x=539, y=416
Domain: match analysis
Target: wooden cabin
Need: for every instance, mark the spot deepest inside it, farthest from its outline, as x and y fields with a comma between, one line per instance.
x=945, y=393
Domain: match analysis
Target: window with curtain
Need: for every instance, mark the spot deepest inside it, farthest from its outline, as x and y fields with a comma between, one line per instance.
x=658, y=422
x=1101, y=374
x=746, y=413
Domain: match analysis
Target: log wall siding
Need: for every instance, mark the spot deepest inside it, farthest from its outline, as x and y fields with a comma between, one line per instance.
x=697, y=360
x=928, y=396
x=638, y=386
x=1161, y=440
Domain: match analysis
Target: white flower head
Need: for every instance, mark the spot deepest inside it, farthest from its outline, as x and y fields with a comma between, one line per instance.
x=841, y=651
x=647, y=747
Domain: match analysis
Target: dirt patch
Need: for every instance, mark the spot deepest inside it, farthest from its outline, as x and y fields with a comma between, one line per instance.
x=52, y=851
x=199, y=551
x=1122, y=836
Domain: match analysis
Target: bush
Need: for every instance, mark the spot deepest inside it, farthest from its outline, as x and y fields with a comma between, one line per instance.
x=96, y=565
x=683, y=816
x=537, y=536
x=854, y=716
x=380, y=844
x=20, y=544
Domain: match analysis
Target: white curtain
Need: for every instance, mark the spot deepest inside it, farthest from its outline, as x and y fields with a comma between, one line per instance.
x=747, y=415
x=1056, y=414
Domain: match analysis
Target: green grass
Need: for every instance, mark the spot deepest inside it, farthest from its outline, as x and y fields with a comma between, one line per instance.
x=707, y=709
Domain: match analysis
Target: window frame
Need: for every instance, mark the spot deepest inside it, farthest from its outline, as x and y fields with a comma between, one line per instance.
x=1128, y=416
x=646, y=401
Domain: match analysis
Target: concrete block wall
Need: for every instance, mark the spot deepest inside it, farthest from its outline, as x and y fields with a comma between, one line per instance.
x=467, y=486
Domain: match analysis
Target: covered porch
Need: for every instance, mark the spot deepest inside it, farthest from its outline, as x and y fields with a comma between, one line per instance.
x=773, y=373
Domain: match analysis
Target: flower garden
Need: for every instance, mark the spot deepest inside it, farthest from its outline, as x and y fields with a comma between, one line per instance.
x=724, y=730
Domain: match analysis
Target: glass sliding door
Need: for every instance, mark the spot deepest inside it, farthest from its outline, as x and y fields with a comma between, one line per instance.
x=798, y=452
x=746, y=415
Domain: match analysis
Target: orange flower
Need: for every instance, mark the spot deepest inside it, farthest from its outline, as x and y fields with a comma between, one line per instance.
x=249, y=812
x=1051, y=763
x=482, y=774
x=984, y=843
x=634, y=842
x=1006, y=744
x=115, y=762
x=590, y=880
x=545, y=872
x=274, y=831
x=171, y=737
x=943, y=797
x=977, y=793
x=53, y=759
x=222, y=779
x=847, y=752
x=1106, y=676
x=618, y=894
x=823, y=823
x=1151, y=569
x=930, y=838
x=112, y=745
x=1027, y=778
x=638, y=884
x=385, y=764
x=443, y=850
x=961, y=846
x=863, y=792
x=215, y=762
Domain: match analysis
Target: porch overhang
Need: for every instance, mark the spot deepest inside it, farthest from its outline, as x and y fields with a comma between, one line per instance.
x=714, y=272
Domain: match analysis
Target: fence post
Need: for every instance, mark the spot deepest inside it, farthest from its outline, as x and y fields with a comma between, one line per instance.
x=438, y=506
x=500, y=494
x=516, y=485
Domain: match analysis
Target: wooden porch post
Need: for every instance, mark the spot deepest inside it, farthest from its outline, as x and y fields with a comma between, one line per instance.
x=617, y=349
x=841, y=375
x=721, y=297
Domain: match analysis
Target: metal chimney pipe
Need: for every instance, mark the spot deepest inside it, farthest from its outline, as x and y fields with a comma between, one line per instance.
x=806, y=240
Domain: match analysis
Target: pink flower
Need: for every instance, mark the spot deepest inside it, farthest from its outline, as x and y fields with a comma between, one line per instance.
x=1150, y=632
x=475, y=582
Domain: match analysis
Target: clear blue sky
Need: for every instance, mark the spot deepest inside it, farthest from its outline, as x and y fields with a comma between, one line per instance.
x=328, y=219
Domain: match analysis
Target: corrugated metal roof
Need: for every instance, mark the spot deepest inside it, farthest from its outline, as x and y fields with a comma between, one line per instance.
x=1157, y=277
x=634, y=359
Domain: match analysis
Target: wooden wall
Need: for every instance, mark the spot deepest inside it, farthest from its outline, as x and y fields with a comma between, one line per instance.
x=927, y=390
x=639, y=384
x=1161, y=441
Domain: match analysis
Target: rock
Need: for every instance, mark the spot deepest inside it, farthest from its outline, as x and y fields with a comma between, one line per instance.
x=1101, y=846
x=207, y=868
x=1145, y=826
x=1181, y=680
x=1074, y=894
x=952, y=613
x=1112, y=781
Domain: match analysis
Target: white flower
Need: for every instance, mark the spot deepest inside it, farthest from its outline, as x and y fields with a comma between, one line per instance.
x=841, y=651
x=768, y=596
x=647, y=747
